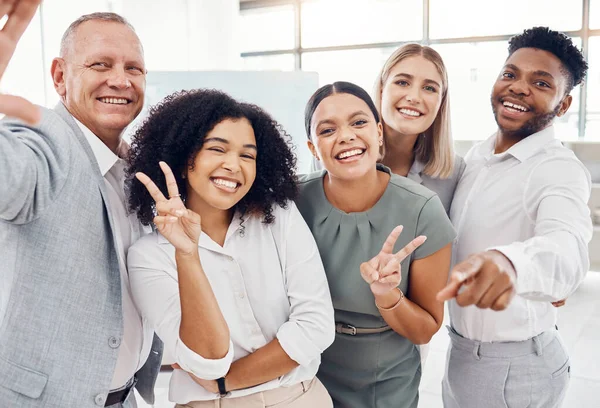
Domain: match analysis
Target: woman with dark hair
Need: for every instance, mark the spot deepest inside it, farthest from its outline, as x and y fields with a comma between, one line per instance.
x=383, y=286
x=231, y=278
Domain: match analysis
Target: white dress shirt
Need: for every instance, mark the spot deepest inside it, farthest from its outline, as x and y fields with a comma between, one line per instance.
x=269, y=283
x=136, y=342
x=530, y=203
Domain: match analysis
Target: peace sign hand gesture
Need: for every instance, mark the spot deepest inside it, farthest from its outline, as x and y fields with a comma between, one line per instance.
x=180, y=226
x=383, y=272
x=19, y=13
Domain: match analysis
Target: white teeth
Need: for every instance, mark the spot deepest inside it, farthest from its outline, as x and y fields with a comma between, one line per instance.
x=515, y=106
x=225, y=183
x=410, y=112
x=349, y=153
x=114, y=101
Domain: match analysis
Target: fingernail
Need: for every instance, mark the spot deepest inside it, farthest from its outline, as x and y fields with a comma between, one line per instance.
x=173, y=219
x=180, y=213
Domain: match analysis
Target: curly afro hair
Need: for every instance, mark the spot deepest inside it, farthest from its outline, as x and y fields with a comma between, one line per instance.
x=558, y=44
x=174, y=132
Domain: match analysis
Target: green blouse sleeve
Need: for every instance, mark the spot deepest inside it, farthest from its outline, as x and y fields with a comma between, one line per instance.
x=435, y=225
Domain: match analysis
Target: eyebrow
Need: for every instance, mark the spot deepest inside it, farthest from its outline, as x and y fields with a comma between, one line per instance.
x=225, y=141
x=409, y=76
x=329, y=121
x=538, y=72
x=101, y=57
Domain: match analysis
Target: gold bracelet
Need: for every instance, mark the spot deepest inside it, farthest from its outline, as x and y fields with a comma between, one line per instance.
x=393, y=307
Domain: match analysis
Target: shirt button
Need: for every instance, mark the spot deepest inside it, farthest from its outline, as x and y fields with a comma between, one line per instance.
x=241, y=295
x=114, y=342
x=100, y=399
x=256, y=330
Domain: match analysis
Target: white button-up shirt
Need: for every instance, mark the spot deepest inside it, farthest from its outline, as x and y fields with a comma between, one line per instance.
x=269, y=283
x=134, y=346
x=530, y=203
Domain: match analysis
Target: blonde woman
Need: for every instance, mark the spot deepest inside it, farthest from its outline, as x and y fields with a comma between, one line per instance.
x=411, y=93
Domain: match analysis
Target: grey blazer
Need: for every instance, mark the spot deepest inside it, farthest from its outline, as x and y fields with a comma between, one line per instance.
x=60, y=287
x=444, y=188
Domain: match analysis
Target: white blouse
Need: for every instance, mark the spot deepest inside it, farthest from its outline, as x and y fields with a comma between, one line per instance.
x=269, y=282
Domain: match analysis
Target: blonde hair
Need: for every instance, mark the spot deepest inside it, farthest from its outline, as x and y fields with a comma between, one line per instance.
x=434, y=147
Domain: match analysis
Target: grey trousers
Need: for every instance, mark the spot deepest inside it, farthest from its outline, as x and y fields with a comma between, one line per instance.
x=533, y=373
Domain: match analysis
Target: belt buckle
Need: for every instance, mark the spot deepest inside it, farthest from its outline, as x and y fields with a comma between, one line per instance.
x=348, y=329
x=130, y=390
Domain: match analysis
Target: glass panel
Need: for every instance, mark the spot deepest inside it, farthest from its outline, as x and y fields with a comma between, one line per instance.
x=168, y=48
x=472, y=71
x=266, y=29
x=592, y=129
x=594, y=14
x=282, y=62
x=24, y=75
x=357, y=66
x=345, y=22
x=468, y=18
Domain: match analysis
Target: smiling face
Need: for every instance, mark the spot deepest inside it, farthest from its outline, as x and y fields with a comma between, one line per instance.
x=102, y=77
x=345, y=136
x=411, y=96
x=529, y=92
x=225, y=167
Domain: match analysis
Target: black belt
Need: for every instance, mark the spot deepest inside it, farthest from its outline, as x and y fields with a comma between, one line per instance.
x=120, y=396
x=350, y=330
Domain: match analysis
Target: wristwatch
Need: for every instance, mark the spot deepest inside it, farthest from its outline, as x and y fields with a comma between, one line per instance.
x=222, y=390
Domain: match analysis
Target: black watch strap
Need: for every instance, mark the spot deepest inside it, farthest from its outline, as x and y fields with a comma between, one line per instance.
x=222, y=390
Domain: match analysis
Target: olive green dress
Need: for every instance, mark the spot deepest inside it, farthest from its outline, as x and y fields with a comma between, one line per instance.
x=370, y=370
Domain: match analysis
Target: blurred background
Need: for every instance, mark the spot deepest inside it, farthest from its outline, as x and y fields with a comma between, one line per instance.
x=277, y=52
x=338, y=39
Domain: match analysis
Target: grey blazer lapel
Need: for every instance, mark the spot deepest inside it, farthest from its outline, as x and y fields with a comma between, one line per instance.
x=62, y=111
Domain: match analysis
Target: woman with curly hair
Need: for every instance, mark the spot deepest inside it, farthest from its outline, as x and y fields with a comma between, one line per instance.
x=231, y=279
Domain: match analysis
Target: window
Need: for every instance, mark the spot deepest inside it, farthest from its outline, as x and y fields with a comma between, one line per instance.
x=24, y=75
x=279, y=62
x=351, y=39
x=344, y=22
x=469, y=18
x=472, y=70
x=266, y=29
x=595, y=14
x=357, y=66
x=592, y=131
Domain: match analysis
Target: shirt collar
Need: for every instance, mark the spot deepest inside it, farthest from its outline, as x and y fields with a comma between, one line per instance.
x=104, y=156
x=524, y=149
x=415, y=171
